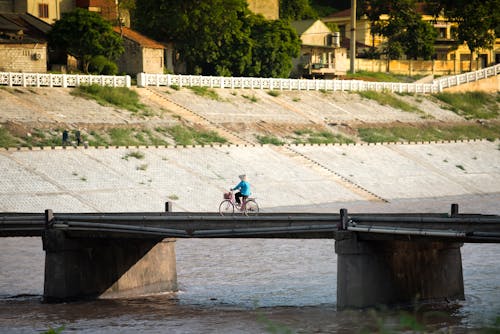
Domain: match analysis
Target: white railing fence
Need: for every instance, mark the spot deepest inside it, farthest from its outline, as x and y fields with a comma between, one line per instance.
x=460, y=79
x=145, y=80
x=61, y=80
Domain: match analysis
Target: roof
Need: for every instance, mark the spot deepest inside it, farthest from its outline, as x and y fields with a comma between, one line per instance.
x=23, y=28
x=139, y=39
x=301, y=26
x=342, y=13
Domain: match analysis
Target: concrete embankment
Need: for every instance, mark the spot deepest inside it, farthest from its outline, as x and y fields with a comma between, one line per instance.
x=389, y=177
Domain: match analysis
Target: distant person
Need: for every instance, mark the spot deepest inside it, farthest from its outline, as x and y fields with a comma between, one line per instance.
x=65, y=138
x=78, y=138
x=244, y=189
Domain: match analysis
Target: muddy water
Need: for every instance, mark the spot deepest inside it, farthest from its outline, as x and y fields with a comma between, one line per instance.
x=238, y=286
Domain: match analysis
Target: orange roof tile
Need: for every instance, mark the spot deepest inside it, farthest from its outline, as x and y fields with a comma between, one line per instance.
x=140, y=39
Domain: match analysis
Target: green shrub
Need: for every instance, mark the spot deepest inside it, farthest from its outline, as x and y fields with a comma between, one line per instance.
x=6, y=139
x=269, y=140
x=121, y=97
x=471, y=105
x=102, y=65
x=386, y=98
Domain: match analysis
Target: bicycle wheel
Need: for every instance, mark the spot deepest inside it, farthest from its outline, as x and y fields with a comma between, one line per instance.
x=251, y=208
x=226, y=208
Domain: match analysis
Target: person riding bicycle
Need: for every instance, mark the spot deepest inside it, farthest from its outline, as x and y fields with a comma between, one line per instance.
x=244, y=188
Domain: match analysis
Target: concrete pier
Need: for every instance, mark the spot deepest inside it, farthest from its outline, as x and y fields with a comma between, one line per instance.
x=372, y=273
x=77, y=268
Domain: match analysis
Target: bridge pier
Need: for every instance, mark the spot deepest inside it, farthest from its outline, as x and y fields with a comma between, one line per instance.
x=78, y=268
x=371, y=273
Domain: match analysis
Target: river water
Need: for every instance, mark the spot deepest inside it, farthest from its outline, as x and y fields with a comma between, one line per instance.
x=240, y=286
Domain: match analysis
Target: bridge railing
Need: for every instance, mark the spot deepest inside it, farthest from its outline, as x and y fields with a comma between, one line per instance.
x=61, y=80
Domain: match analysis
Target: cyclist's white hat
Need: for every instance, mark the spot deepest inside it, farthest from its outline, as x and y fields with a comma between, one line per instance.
x=242, y=176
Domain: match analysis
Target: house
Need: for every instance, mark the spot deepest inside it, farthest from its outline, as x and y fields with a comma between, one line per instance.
x=23, y=43
x=46, y=10
x=320, y=53
x=445, y=45
x=142, y=54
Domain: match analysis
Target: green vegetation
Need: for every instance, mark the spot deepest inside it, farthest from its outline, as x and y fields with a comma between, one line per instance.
x=386, y=98
x=472, y=105
x=429, y=133
x=250, y=98
x=238, y=43
x=206, y=92
x=307, y=136
x=381, y=76
x=270, y=140
x=142, y=167
x=121, y=97
x=175, y=87
x=188, y=136
x=51, y=330
x=274, y=93
x=6, y=139
x=135, y=154
x=85, y=34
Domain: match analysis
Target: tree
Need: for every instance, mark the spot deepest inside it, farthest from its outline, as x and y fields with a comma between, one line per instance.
x=219, y=37
x=296, y=10
x=404, y=29
x=85, y=34
x=275, y=43
x=208, y=34
x=477, y=21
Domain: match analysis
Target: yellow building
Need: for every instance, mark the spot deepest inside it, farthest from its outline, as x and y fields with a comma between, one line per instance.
x=445, y=45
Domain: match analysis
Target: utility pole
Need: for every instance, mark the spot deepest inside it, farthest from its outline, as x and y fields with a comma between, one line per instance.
x=353, y=35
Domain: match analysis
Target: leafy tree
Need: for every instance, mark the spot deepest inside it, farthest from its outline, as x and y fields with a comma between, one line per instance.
x=477, y=20
x=219, y=37
x=296, y=10
x=275, y=43
x=205, y=33
x=85, y=34
x=405, y=31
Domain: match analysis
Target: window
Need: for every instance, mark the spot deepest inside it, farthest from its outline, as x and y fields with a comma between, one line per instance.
x=442, y=32
x=43, y=10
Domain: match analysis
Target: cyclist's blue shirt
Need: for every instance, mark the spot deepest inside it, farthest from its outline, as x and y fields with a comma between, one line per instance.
x=244, y=188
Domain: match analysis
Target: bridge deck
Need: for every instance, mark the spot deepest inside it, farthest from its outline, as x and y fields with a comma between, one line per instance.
x=158, y=225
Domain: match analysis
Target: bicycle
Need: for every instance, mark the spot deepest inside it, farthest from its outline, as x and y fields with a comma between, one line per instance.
x=248, y=207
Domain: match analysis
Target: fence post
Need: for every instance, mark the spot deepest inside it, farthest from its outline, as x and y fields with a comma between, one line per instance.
x=343, y=219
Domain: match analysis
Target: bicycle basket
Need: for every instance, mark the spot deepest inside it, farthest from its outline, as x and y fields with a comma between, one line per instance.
x=227, y=195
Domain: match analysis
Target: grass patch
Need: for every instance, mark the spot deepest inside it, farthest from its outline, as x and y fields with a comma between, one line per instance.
x=175, y=87
x=142, y=167
x=472, y=105
x=430, y=133
x=206, y=92
x=189, y=136
x=6, y=139
x=135, y=154
x=274, y=93
x=250, y=98
x=307, y=136
x=386, y=98
x=269, y=140
x=381, y=76
x=120, y=97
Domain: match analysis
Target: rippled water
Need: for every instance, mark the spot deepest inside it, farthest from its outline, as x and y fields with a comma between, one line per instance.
x=237, y=286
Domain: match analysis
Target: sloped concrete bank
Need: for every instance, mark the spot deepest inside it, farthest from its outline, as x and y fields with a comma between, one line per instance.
x=377, y=178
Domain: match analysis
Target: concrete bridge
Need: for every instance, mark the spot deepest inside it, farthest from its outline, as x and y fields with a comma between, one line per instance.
x=382, y=258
